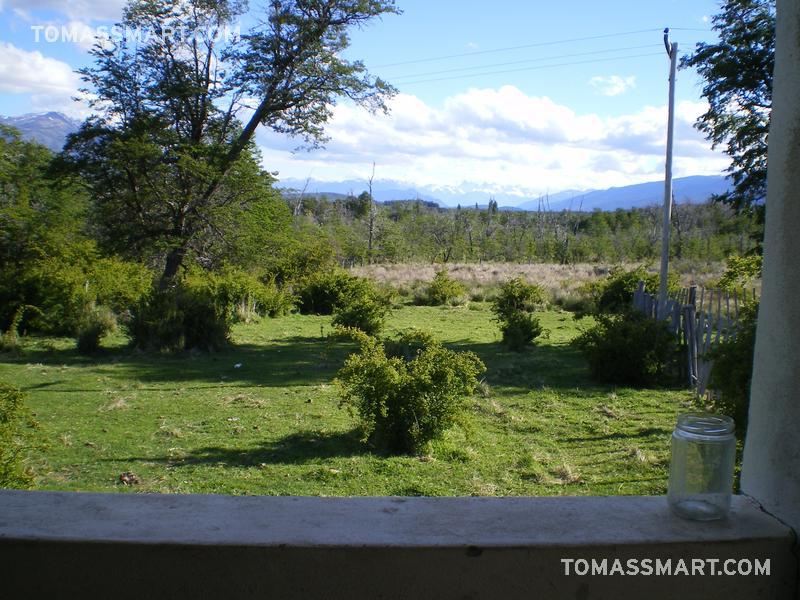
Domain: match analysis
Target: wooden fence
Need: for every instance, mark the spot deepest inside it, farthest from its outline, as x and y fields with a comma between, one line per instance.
x=701, y=319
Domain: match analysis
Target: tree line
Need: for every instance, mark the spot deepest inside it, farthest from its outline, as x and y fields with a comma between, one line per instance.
x=419, y=231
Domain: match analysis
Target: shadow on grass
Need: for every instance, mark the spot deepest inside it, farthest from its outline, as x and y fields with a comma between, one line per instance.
x=297, y=448
x=642, y=433
x=542, y=365
x=304, y=361
x=288, y=362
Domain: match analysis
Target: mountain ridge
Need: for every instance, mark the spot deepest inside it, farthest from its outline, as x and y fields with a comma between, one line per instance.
x=49, y=129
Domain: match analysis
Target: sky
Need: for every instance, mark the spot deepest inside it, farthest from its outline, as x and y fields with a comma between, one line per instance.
x=511, y=97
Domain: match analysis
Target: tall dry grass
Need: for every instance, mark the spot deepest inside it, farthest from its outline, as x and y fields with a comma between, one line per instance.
x=557, y=280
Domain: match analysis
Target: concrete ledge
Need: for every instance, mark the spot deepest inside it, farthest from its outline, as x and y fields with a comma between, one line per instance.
x=97, y=545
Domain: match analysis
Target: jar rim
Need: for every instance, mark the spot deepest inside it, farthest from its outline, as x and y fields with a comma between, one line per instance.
x=705, y=424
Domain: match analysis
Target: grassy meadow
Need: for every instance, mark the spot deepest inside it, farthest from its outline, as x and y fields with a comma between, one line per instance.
x=263, y=418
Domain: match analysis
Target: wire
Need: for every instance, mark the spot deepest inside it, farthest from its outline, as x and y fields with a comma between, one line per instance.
x=509, y=48
x=567, y=64
x=530, y=60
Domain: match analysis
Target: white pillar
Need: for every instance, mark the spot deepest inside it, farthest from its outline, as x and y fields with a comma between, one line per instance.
x=771, y=468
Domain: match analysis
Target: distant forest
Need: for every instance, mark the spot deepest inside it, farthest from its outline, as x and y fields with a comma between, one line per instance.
x=359, y=231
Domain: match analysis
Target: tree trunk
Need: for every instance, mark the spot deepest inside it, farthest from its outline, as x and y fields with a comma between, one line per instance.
x=173, y=264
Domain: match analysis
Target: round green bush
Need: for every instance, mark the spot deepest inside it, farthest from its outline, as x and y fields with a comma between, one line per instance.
x=98, y=322
x=443, y=291
x=186, y=316
x=630, y=349
x=513, y=309
x=402, y=404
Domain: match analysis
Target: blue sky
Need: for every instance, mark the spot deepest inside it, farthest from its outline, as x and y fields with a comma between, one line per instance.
x=523, y=104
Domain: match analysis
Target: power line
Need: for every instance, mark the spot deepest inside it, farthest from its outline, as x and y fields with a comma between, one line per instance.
x=567, y=64
x=530, y=60
x=509, y=48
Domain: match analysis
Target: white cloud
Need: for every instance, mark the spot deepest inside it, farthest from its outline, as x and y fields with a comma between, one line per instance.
x=500, y=139
x=612, y=85
x=81, y=10
x=51, y=84
x=23, y=72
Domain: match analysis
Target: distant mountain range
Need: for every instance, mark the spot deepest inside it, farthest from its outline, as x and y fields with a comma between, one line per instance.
x=49, y=129
x=695, y=190
x=52, y=128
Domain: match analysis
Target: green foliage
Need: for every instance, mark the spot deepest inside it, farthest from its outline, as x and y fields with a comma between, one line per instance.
x=243, y=293
x=118, y=284
x=513, y=309
x=186, y=316
x=630, y=349
x=519, y=329
x=615, y=294
x=732, y=371
x=353, y=301
x=403, y=404
x=311, y=254
x=516, y=295
x=319, y=293
x=443, y=291
x=738, y=86
x=407, y=344
x=9, y=340
x=13, y=417
x=741, y=271
x=97, y=322
x=361, y=306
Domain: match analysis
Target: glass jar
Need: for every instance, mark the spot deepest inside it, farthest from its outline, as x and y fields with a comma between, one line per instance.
x=701, y=468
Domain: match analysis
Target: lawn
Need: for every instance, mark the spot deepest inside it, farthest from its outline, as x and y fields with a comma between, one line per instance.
x=263, y=418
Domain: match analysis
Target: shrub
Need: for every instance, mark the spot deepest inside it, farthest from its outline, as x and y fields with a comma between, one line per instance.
x=519, y=330
x=63, y=287
x=408, y=344
x=516, y=295
x=402, y=404
x=9, y=340
x=245, y=294
x=362, y=307
x=185, y=316
x=119, y=285
x=615, y=294
x=319, y=293
x=630, y=349
x=311, y=254
x=98, y=322
x=578, y=301
x=732, y=371
x=443, y=291
x=513, y=309
x=740, y=271
x=353, y=301
x=13, y=416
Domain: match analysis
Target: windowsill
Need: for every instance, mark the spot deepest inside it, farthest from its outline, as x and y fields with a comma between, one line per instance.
x=450, y=539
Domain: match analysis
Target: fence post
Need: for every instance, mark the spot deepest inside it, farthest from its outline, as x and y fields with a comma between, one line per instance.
x=638, y=300
x=690, y=336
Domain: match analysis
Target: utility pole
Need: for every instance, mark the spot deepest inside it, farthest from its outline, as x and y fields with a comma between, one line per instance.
x=672, y=52
x=372, y=215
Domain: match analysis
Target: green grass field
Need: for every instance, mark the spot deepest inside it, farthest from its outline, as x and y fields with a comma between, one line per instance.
x=198, y=424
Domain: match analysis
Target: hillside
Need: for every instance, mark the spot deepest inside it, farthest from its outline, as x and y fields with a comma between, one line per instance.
x=49, y=129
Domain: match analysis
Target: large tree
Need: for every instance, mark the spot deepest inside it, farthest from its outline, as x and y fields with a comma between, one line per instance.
x=170, y=153
x=738, y=86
